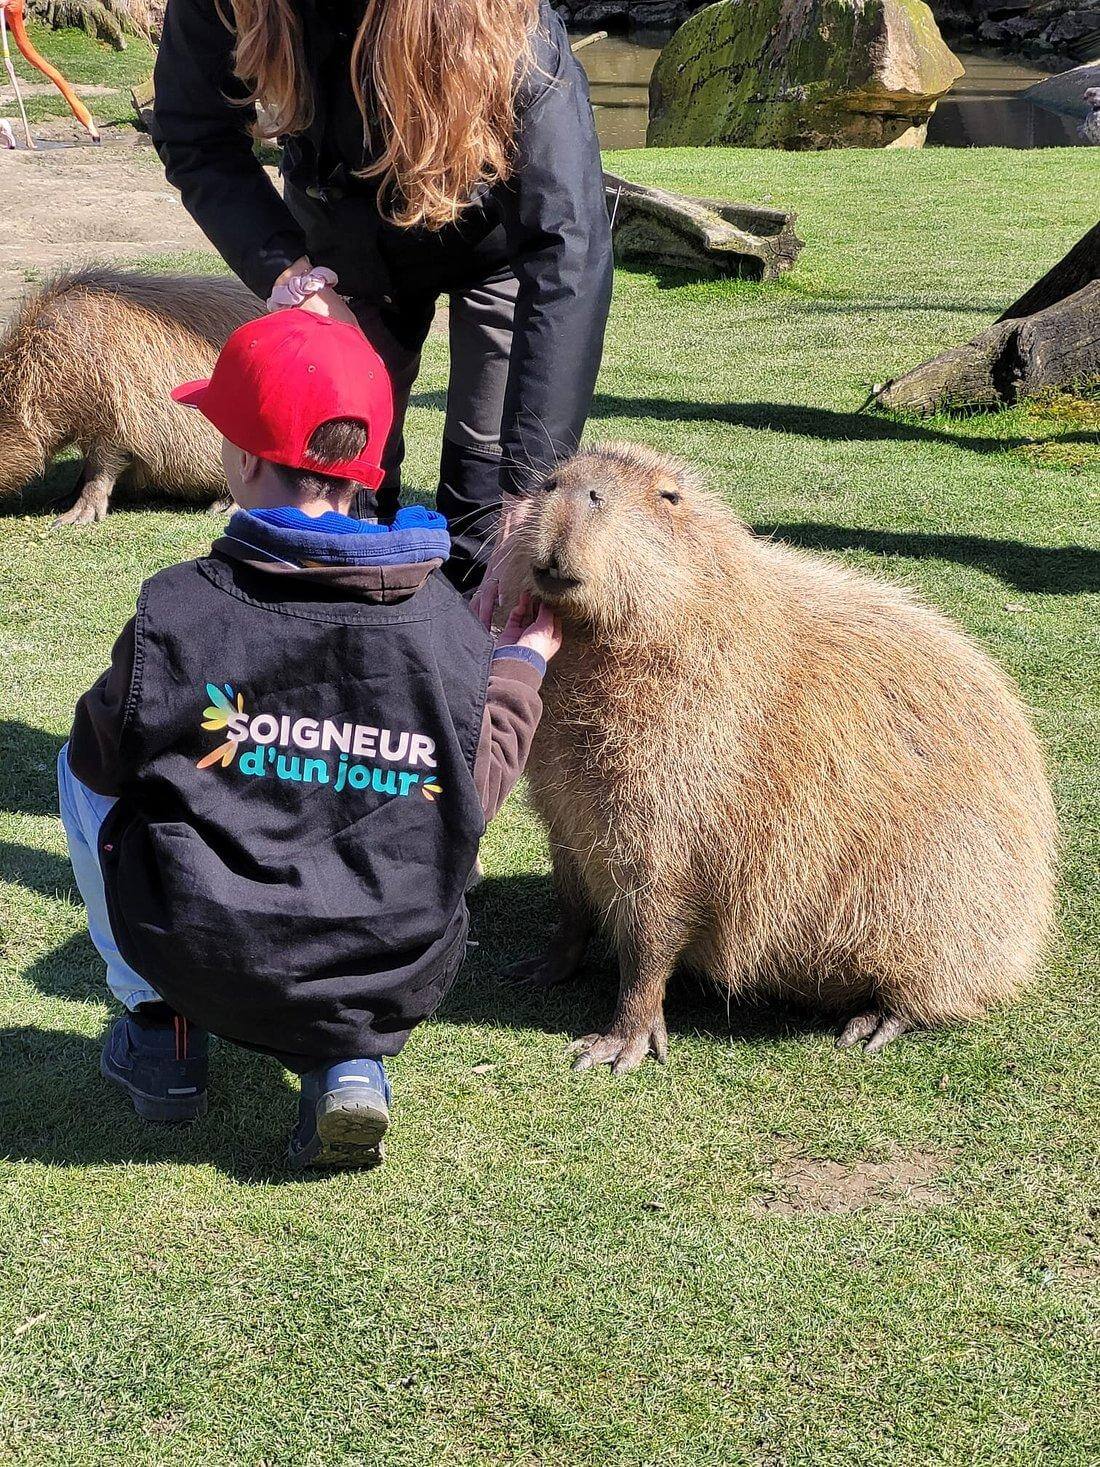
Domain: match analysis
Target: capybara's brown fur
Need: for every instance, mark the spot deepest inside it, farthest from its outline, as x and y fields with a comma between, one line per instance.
x=90, y=360
x=785, y=775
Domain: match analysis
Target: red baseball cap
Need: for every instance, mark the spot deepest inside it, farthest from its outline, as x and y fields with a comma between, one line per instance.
x=280, y=377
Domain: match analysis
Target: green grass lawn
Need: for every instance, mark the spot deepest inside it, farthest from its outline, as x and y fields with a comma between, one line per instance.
x=559, y=1268
x=81, y=61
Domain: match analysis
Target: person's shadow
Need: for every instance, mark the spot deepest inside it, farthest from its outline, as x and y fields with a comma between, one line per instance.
x=28, y=768
x=56, y=1108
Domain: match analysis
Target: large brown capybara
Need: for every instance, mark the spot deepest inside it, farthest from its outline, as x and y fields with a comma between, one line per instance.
x=91, y=358
x=784, y=775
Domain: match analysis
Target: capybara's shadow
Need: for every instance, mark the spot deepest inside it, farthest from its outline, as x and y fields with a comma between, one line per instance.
x=28, y=768
x=512, y=917
x=56, y=1108
x=53, y=492
x=1063, y=570
x=49, y=492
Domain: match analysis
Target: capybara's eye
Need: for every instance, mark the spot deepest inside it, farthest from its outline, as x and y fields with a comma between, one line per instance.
x=672, y=495
x=550, y=486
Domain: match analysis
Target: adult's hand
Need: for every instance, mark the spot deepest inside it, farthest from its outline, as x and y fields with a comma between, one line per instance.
x=327, y=302
x=330, y=304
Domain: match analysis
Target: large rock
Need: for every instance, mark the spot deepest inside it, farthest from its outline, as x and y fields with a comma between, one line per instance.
x=1065, y=93
x=963, y=22
x=801, y=74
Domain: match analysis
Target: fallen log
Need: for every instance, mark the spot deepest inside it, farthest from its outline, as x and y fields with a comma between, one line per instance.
x=1049, y=338
x=1058, y=347
x=708, y=236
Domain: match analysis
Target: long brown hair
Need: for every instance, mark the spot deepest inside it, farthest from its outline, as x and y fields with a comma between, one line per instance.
x=436, y=79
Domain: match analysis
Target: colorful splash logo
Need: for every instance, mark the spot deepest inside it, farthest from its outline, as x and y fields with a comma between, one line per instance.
x=306, y=750
x=215, y=718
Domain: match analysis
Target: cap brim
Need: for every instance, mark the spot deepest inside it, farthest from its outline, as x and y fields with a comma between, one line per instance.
x=191, y=394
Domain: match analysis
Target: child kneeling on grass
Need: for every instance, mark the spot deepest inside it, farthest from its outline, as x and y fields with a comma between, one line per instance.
x=274, y=796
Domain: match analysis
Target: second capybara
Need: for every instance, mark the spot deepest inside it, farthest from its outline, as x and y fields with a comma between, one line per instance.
x=787, y=776
x=90, y=360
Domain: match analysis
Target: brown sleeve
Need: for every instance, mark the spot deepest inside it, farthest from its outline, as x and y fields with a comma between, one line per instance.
x=95, y=743
x=512, y=712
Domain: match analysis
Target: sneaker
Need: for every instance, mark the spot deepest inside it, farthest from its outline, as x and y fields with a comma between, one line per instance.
x=160, y=1060
x=342, y=1116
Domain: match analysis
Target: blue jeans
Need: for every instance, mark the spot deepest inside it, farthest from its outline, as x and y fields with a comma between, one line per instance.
x=82, y=813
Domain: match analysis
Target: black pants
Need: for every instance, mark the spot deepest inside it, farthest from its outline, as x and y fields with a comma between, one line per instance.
x=481, y=321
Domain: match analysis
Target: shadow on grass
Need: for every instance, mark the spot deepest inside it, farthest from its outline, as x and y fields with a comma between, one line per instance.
x=55, y=1107
x=28, y=768
x=802, y=421
x=50, y=492
x=1052, y=570
x=512, y=917
x=38, y=871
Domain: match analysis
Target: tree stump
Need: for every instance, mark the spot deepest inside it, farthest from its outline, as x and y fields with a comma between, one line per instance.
x=1049, y=338
x=707, y=236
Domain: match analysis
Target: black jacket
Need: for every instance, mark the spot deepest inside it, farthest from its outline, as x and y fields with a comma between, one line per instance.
x=548, y=223
x=297, y=883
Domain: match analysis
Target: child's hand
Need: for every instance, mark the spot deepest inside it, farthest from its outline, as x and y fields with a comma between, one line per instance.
x=539, y=630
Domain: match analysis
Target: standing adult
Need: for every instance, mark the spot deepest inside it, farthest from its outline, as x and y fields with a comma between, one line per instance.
x=429, y=147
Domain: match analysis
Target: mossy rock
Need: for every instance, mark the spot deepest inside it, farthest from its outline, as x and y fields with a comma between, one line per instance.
x=801, y=74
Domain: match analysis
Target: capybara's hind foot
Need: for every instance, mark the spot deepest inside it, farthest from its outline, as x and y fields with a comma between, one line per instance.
x=103, y=465
x=540, y=970
x=876, y=1028
x=559, y=963
x=622, y=1051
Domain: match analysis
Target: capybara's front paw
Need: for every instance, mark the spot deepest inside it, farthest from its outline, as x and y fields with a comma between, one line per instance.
x=876, y=1028
x=86, y=511
x=622, y=1050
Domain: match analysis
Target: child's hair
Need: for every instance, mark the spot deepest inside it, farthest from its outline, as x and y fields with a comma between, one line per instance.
x=335, y=442
x=435, y=81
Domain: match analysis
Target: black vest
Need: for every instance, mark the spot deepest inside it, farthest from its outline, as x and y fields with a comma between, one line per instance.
x=288, y=859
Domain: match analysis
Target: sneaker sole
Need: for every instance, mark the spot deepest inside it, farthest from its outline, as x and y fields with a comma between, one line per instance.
x=152, y=1107
x=349, y=1134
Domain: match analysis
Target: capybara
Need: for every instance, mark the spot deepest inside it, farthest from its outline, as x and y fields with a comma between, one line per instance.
x=91, y=358
x=786, y=776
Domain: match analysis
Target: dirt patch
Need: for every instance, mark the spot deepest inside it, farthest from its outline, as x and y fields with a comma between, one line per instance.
x=47, y=89
x=71, y=203
x=802, y=1186
x=80, y=205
